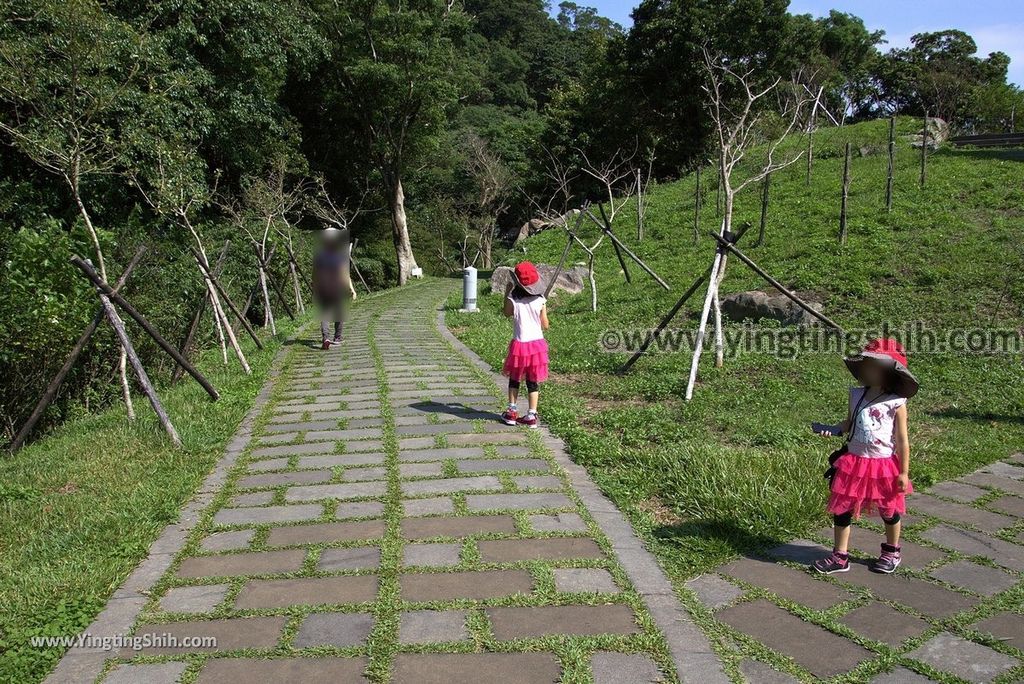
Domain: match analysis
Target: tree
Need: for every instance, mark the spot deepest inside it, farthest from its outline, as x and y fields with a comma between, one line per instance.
x=490, y=192
x=396, y=68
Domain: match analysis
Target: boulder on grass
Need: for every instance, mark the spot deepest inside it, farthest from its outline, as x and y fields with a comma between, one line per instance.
x=756, y=305
x=570, y=280
x=938, y=133
x=536, y=225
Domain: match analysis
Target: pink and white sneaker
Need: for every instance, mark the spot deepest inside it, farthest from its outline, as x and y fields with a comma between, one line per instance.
x=529, y=420
x=510, y=416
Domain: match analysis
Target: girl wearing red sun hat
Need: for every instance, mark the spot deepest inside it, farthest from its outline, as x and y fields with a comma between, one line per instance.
x=871, y=471
x=527, y=357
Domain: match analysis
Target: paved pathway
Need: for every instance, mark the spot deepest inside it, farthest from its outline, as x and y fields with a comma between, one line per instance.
x=373, y=522
x=955, y=608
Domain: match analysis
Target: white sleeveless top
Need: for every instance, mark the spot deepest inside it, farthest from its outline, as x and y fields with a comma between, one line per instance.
x=526, y=318
x=874, y=425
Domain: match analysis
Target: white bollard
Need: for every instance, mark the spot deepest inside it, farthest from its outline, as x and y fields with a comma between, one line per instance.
x=468, y=290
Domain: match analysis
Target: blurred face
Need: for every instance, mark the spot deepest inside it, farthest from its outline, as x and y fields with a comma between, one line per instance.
x=873, y=373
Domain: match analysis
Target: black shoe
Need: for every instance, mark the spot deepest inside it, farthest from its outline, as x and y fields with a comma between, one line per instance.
x=888, y=561
x=832, y=564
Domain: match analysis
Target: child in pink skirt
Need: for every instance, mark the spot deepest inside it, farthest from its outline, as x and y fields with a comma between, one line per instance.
x=527, y=357
x=872, y=472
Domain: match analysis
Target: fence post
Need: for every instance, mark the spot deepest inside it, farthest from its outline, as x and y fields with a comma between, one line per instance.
x=846, y=195
x=892, y=163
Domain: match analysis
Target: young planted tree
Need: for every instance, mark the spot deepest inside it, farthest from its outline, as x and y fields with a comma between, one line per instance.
x=396, y=70
x=69, y=75
x=738, y=97
x=490, y=193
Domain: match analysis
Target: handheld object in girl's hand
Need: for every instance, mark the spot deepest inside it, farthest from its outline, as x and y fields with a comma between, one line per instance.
x=822, y=429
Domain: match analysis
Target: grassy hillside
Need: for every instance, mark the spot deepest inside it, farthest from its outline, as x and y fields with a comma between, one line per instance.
x=737, y=467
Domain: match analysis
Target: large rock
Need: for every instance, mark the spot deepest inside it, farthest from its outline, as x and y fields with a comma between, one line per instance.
x=536, y=225
x=756, y=305
x=938, y=133
x=570, y=280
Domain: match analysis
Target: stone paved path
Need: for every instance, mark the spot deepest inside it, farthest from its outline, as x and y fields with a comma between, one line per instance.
x=372, y=522
x=954, y=611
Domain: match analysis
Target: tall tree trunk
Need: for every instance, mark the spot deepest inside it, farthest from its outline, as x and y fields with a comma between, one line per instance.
x=400, y=230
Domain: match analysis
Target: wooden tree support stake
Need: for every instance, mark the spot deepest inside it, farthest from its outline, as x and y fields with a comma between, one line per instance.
x=565, y=252
x=845, y=197
x=924, y=151
x=76, y=351
x=618, y=252
x=264, y=265
x=224, y=295
x=193, y=327
x=105, y=288
x=892, y=164
x=725, y=244
x=615, y=241
x=696, y=209
x=765, y=194
x=355, y=268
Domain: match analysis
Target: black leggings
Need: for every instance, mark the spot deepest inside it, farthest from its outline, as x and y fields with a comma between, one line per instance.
x=846, y=519
x=531, y=385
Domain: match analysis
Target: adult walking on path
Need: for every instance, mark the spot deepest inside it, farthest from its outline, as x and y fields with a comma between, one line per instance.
x=332, y=284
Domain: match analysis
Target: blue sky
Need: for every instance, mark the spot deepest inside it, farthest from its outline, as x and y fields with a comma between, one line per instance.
x=994, y=24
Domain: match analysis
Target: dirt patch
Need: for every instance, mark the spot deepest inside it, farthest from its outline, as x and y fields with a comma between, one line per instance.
x=661, y=513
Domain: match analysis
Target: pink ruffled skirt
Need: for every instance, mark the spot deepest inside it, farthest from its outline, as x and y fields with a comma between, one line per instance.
x=526, y=361
x=864, y=485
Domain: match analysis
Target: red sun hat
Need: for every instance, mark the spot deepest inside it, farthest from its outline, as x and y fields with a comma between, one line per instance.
x=890, y=354
x=528, y=278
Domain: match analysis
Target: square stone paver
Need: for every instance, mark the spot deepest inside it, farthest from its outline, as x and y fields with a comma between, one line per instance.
x=479, y=668
x=359, y=509
x=585, y=580
x=517, y=502
x=230, y=634
x=227, y=541
x=250, y=563
x=198, y=599
x=461, y=526
x=307, y=591
x=365, y=474
x=344, y=460
x=268, y=465
x=358, y=558
x=817, y=650
x=432, y=626
x=1000, y=482
x=879, y=622
x=1011, y=505
x=151, y=673
x=1008, y=627
x=713, y=591
x=348, y=490
x=269, y=514
x=554, y=548
x=756, y=672
x=965, y=659
x=432, y=555
x=288, y=478
x=479, y=465
x=322, y=670
x=795, y=585
x=514, y=623
x=355, y=530
x=802, y=551
x=537, y=481
x=558, y=522
x=977, y=544
x=624, y=668
x=926, y=598
x=958, y=491
x=1004, y=470
x=960, y=513
x=977, y=578
x=252, y=499
x=451, y=485
x=434, y=506
x=483, y=584
x=427, y=469
x=334, y=629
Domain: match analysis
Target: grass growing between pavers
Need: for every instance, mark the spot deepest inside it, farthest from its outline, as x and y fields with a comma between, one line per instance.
x=79, y=508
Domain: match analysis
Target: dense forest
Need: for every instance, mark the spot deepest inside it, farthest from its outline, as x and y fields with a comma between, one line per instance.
x=431, y=127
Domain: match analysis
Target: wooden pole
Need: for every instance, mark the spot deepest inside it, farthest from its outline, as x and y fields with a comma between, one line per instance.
x=811, y=122
x=231, y=305
x=105, y=288
x=51, y=390
x=924, y=151
x=892, y=164
x=218, y=310
x=607, y=231
x=699, y=342
x=718, y=193
x=775, y=283
x=696, y=209
x=186, y=342
x=765, y=190
x=565, y=252
x=265, y=266
x=618, y=252
x=845, y=197
x=639, y=207
x=352, y=261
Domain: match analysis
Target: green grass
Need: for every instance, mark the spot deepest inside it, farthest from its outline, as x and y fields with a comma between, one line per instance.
x=79, y=508
x=736, y=469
